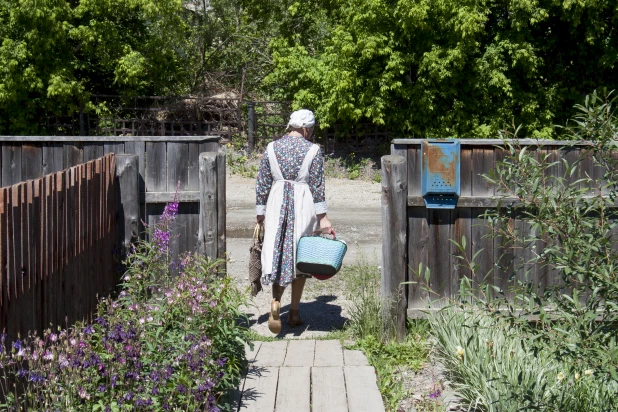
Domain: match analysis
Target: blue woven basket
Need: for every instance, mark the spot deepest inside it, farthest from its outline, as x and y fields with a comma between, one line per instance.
x=320, y=256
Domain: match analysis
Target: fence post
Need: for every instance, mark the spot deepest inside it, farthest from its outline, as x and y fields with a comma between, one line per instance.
x=127, y=200
x=394, y=253
x=221, y=209
x=251, y=127
x=208, y=228
x=82, y=125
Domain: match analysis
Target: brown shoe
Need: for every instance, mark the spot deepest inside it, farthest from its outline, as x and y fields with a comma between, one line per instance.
x=294, y=319
x=274, y=321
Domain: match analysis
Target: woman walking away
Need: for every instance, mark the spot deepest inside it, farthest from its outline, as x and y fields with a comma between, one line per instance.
x=290, y=202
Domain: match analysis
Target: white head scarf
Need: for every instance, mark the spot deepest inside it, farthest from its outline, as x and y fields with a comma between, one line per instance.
x=301, y=118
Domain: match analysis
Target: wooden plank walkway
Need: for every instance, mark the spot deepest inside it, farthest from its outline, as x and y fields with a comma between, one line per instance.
x=307, y=376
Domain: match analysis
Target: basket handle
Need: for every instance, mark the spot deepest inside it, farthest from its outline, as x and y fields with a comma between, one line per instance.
x=258, y=233
x=319, y=232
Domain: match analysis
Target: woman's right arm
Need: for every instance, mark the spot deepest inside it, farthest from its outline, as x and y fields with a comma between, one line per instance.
x=262, y=188
x=316, y=185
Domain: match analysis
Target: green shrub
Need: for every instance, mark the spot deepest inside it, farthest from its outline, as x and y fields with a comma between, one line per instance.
x=541, y=364
x=238, y=164
x=169, y=342
x=351, y=167
x=496, y=365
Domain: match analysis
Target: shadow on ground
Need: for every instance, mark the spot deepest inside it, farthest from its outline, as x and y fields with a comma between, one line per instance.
x=318, y=314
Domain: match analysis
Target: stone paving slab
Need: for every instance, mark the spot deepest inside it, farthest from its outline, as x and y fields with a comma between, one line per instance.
x=293, y=390
x=260, y=390
x=328, y=353
x=300, y=353
x=328, y=393
x=354, y=358
x=307, y=376
x=271, y=354
x=362, y=390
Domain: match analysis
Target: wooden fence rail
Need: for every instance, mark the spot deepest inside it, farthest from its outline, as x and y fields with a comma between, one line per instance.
x=429, y=231
x=165, y=164
x=57, y=240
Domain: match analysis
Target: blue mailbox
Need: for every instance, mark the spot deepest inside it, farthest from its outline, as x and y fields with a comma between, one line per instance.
x=440, y=176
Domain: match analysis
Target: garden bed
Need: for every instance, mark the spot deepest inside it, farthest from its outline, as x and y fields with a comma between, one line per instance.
x=169, y=341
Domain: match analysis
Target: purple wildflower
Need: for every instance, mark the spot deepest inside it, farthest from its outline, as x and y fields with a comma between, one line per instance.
x=436, y=394
x=89, y=330
x=17, y=344
x=181, y=388
x=161, y=232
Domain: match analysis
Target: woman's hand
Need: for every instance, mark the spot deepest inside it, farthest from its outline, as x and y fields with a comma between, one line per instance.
x=260, y=219
x=325, y=225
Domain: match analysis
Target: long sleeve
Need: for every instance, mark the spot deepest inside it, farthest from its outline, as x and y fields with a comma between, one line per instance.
x=262, y=186
x=316, y=183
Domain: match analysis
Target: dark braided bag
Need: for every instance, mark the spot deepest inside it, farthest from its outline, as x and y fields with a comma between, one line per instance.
x=255, y=259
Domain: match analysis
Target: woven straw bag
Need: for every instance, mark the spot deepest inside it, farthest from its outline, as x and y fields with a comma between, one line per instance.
x=320, y=255
x=255, y=259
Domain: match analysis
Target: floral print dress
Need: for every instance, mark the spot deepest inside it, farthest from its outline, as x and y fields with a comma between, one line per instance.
x=290, y=193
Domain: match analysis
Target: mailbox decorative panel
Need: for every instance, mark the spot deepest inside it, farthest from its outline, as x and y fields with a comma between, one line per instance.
x=440, y=173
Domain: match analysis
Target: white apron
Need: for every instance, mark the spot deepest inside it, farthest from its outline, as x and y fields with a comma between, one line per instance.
x=306, y=220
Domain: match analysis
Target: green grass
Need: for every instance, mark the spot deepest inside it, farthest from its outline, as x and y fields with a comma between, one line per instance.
x=375, y=337
x=256, y=337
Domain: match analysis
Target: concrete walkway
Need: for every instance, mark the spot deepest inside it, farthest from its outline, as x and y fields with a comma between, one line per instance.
x=307, y=376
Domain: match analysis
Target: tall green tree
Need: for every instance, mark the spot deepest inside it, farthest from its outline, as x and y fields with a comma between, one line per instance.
x=448, y=67
x=54, y=53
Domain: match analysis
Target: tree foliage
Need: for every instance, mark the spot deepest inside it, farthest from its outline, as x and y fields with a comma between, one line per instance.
x=53, y=53
x=445, y=67
x=434, y=68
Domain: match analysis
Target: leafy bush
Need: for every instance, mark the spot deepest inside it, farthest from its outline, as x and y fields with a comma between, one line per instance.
x=540, y=364
x=237, y=164
x=499, y=366
x=351, y=167
x=169, y=342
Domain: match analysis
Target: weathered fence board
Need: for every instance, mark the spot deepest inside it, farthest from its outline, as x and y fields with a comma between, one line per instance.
x=430, y=231
x=163, y=162
x=394, y=191
x=53, y=252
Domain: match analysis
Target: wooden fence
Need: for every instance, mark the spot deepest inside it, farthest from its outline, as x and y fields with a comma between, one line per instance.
x=416, y=235
x=164, y=164
x=57, y=239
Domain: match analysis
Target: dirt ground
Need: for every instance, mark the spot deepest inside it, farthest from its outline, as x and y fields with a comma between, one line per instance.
x=353, y=209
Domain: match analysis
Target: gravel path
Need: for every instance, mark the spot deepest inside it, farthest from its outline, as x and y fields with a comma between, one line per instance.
x=354, y=210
